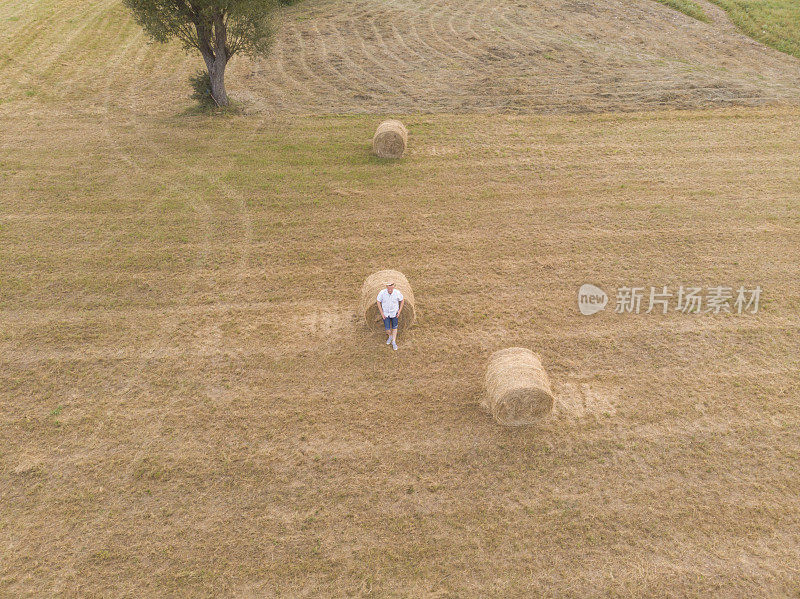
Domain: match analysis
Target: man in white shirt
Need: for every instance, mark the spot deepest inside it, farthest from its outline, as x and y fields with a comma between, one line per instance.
x=390, y=305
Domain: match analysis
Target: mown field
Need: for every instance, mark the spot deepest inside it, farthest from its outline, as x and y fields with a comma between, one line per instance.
x=190, y=405
x=408, y=57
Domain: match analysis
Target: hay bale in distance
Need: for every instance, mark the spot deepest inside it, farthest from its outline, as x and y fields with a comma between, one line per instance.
x=369, y=294
x=390, y=139
x=517, y=388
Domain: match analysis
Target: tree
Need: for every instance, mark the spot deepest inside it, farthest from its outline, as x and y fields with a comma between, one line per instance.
x=217, y=28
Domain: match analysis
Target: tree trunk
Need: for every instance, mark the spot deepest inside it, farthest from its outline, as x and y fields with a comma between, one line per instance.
x=215, y=51
x=216, y=72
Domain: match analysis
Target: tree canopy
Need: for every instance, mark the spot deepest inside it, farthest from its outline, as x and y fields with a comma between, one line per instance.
x=218, y=29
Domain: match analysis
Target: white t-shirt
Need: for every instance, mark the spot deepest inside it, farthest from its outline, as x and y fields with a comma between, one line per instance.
x=390, y=302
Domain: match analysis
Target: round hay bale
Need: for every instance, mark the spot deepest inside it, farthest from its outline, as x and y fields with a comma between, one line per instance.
x=369, y=298
x=390, y=139
x=517, y=388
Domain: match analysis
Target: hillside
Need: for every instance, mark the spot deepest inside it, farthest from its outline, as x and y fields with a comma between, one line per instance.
x=340, y=56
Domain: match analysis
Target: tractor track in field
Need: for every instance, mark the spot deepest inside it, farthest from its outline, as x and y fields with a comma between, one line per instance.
x=510, y=56
x=405, y=56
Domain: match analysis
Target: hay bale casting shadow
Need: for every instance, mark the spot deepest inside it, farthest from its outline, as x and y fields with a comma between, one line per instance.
x=369, y=295
x=390, y=140
x=517, y=388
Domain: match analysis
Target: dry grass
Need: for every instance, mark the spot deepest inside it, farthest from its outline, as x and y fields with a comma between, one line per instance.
x=179, y=417
x=174, y=402
x=399, y=57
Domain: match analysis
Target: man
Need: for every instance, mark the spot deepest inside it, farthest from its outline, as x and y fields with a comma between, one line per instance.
x=390, y=304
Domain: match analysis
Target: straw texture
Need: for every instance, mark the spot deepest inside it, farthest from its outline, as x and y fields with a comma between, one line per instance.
x=390, y=139
x=369, y=295
x=517, y=388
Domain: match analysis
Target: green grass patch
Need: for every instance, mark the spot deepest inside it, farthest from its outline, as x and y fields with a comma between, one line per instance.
x=775, y=23
x=688, y=7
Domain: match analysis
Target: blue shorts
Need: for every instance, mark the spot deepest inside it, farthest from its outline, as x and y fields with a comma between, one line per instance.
x=390, y=320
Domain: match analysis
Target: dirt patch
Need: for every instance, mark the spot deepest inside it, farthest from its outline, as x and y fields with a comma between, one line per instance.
x=579, y=400
x=327, y=323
